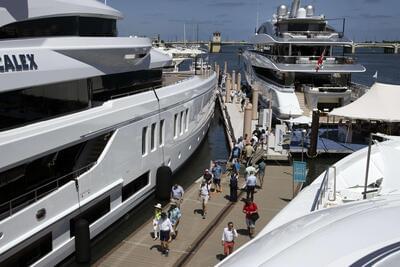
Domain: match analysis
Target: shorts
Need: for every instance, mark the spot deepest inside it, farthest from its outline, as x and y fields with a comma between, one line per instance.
x=250, y=223
x=217, y=181
x=164, y=235
x=204, y=198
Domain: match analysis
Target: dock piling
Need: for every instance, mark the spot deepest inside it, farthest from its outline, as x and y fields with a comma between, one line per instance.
x=247, y=119
x=255, y=101
x=228, y=88
x=314, y=133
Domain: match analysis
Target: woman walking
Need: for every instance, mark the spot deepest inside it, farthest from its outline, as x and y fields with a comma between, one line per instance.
x=251, y=211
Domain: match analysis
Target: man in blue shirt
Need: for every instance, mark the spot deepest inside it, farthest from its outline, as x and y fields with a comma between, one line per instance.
x=217, y=172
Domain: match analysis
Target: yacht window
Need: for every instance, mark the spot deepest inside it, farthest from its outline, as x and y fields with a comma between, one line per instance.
x=153, y=137
x=135, y=186
x=161, y=133
x=187, y=119
x=176, y=125
x=91, y=214
x=30, y=254
x=181, y=123
x=60, y=26
x=144, y=141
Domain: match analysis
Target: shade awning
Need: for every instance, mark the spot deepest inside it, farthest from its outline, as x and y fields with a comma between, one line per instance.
x=380, y=103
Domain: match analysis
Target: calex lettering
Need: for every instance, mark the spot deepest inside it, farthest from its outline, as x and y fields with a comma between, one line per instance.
x=20, y=62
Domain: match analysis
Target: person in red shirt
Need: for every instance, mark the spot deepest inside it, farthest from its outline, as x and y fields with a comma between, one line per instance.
x=251, y=211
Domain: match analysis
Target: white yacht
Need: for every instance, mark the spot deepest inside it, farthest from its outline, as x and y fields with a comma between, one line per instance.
x=341, y=219
x=298, y=61
x=87, y=119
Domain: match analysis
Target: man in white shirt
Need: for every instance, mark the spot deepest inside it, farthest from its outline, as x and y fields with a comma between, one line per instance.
x=204, y=194
x=251, y=182
x=166, y=229
x=177, y=194
x=228, y=238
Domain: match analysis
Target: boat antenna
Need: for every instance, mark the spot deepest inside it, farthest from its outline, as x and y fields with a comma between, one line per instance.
x=184, y=34
x=258, y=2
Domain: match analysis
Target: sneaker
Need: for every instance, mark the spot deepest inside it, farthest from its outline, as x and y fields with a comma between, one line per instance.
x=166, y=252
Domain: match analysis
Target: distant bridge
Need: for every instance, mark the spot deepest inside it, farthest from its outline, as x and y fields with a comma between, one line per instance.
x=388, y=47
x=205, y=42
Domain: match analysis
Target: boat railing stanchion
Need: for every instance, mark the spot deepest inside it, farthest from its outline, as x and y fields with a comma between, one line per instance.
x=367, y=169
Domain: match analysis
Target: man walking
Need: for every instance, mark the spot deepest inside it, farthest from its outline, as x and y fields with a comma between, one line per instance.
x=249, y=150
x=228, y=238
x=177, y=194
x=261, y=172
x=251, y=182
x=204, y=194
x=217, y=172
x=233, y=186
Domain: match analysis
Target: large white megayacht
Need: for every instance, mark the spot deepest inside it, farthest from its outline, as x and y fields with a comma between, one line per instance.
x=284, y=62
x=87, y=118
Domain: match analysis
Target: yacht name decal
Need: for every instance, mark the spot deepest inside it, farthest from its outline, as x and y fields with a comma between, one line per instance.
x=21, y=62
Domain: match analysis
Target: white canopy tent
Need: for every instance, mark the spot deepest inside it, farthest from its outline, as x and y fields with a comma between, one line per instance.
x=380, y=103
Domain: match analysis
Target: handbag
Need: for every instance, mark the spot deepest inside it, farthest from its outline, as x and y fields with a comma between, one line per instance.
x=254, y=216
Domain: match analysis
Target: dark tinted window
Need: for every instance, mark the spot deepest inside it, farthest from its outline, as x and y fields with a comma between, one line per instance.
x=92, y=214
x=134, y=186
x=31, y=253
x=61, y=26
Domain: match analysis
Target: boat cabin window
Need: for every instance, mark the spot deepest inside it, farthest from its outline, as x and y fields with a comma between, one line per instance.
x=30, y=254
x=33, y=104
x=60, y=26
x=301, y=27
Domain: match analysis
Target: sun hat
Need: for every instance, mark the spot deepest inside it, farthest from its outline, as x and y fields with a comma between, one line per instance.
x=158, y=206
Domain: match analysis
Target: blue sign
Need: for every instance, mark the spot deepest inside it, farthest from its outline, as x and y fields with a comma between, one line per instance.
x=299, y=171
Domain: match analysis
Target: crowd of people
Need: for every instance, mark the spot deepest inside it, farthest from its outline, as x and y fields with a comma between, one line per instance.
x=240, y=164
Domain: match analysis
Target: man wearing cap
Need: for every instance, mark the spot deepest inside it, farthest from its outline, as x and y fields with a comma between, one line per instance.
x=157, y=216
x=174, y=215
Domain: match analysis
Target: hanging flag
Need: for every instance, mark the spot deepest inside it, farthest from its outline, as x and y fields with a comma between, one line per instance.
x=320, y=61
x=375, y=75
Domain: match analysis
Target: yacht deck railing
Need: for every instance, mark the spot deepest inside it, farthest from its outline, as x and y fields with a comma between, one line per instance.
x=322, y=190
x=16, y=204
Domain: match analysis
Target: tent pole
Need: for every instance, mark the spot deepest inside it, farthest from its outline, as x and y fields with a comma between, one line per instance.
x=367, y=169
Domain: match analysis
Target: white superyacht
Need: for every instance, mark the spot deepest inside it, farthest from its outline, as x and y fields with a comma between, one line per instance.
x=298, y=61
x=87, y=119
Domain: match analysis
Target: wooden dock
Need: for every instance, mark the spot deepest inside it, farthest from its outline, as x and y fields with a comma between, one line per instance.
x=199, y=240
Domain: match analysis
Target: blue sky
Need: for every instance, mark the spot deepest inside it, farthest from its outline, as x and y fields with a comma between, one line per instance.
x=236, y=19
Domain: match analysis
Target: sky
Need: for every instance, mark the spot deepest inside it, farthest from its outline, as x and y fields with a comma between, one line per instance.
x=372, y=20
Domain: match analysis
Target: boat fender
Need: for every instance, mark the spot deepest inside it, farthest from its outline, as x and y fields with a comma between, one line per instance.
x=82, y=241
x=163, y=183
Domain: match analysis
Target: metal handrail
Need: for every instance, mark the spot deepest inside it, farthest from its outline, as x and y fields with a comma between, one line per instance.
x=320, y=192
x=37, y=194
